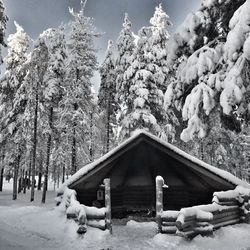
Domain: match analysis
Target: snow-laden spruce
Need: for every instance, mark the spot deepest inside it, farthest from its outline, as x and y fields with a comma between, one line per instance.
x=147, y=76
x=209, y=67
x=107, y=100
x=77, y=105
x=13, y=102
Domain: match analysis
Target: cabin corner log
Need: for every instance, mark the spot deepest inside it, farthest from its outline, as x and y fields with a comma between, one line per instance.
x=159, y=202
x=108, y=204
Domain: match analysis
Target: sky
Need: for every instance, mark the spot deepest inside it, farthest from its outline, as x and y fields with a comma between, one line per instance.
x=37, y=15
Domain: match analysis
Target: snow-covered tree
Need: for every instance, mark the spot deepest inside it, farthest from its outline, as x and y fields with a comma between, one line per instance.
x=126, y=44
x=158, y=43
x=3, y=22
x=34, y=82
x=107, y=92
x=207, y=77
x=81, y=63
x=14, y=99
x=145, y=99
x=209, y=53
x=52, y=89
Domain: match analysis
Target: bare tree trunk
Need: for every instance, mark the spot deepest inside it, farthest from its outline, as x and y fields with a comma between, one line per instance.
x=34, y=147
x=40, y=173
x=39, y=184
x=63, y=174
x=73, y=155
x=1, y=174
x=25, y=182
x=28, y=180
x=108, y=127
x=91, y=137
x=21, y=179
x=1, y=179
x=54, y=175
x=15, y=179
x=202, y=149
x=58, y=178
x=45, y=186
x=73, y=159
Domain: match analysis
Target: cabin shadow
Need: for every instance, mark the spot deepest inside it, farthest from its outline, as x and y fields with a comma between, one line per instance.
x=132, y=170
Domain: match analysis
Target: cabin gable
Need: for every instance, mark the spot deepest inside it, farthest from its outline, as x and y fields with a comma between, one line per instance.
x=132, y=170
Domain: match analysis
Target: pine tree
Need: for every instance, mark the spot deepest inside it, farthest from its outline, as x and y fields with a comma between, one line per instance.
x=34, y=81
x=80, y=66
x=107, y=92
x=204, y=80
x=52, y=89
x=3, y=21
x=145, y=100
x=126, y=44
x=14, y=99
x=158, y=43
x=209, y=54
x=125, y=49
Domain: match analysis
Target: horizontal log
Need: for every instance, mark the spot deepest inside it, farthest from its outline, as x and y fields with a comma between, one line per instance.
x=169, y=230
x=203, y=224
x=97, y=224
x=225, y=210
x=95, y=217
x=168, y=223
x=169, y=216
x=228, y=203
x=224, y=219
x=187, y=224
x=95, y=213
x=187, y=234
x=226, y=223
x=168, y=219
x=204, y=230
x=222, y=215
x=226, y=198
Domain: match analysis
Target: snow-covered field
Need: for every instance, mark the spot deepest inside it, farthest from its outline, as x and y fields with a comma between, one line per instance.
x=27, y=226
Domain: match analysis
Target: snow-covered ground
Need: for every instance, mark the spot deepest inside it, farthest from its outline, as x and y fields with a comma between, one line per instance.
x=26, y=226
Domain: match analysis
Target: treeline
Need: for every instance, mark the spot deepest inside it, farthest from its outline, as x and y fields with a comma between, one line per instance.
x=48, y=110
x=190, y=89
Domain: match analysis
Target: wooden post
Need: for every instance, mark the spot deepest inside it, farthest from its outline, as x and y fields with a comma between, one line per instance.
x=108, y=204
x=159, y=201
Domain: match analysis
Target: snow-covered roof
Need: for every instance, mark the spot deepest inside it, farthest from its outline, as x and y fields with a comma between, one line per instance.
x=89, y=167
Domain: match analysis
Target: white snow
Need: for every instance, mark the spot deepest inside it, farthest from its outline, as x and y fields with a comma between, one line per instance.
x=233, y=194
x=240, y=30
x=26, y=226
x=170, y=214
x=200, y=212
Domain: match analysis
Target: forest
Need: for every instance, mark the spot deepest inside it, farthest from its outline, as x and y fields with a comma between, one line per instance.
x=190, y=88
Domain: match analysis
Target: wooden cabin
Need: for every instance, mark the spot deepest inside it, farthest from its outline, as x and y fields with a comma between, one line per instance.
x=132, y=168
